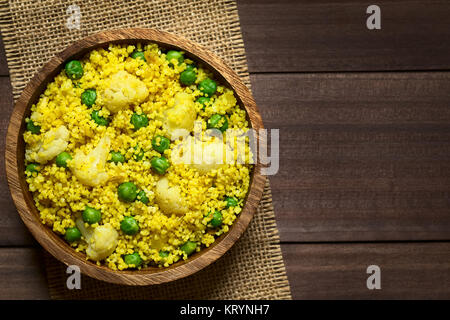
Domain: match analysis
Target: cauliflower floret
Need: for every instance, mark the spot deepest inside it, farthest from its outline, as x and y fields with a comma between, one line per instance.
x=181, y=116
x=102, y=243
x=213, y=156
x=204, y=156
x=169, y=198
x=50, y=144
x=102, y=240
x=122, y=90
x=37, y=116
x=90, y=169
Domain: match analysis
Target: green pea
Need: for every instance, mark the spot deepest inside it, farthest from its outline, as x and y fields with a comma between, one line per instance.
x=101, y=121
x=129, y=226
x=160, y=143
x=160, y=164
x=91, y=215
x=139, y=154
x=117, y=157
x=88, y=97
x=188, y=77
x=138, y=54
x=203, y=101
x=74, y=69
x=142, y=197
x=231, y=202
x=208, y=87
x=188, y=247
x=189, y=67
x=139, y=121
x=32, y=167
x=72, y=234
x=62, y=158
x=218, y=121
x=164, y=254
x=127, y=191
x=133, y=259
x=34, y=129
x=216, y=219
x=177, y=55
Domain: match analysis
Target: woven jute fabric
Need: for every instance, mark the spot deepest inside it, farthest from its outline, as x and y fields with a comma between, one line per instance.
x=33, y=31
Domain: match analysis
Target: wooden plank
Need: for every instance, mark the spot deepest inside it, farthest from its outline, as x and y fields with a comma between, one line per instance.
x=329, y=35
x=338, y=271
x=363, y=157
x=12, y=230
x=3, y=65
x=22, y=274
x=315, y=271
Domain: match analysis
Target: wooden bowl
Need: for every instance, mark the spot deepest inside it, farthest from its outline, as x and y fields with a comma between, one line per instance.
x=15, y=149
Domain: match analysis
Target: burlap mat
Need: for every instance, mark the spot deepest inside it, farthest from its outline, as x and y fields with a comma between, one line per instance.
x=33, y=31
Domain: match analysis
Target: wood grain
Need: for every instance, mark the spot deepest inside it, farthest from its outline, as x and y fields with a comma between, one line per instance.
x=338, y=271
x=14, y=157
x=22, y=274
x=330, y=35
x=12, y=230
x=363, y=156
x=3, y=65
x=315, y=271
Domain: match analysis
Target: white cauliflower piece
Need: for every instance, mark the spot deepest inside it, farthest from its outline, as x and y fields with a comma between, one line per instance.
x=122, y=90
x=37, y=116
x=181, y=116
x=102, y=243
x=169, y=198
x=90, y=168
x=213, y=156
x=102, y=240
x=50, y=144
x=204, y=156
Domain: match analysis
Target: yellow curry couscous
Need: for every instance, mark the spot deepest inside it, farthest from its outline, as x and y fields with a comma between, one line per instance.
x=105, y=156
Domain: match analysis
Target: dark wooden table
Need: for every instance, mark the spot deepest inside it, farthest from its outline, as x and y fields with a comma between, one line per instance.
x=364, y=119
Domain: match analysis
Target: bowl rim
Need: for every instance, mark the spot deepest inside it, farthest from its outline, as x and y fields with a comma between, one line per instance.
x=22, y=196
